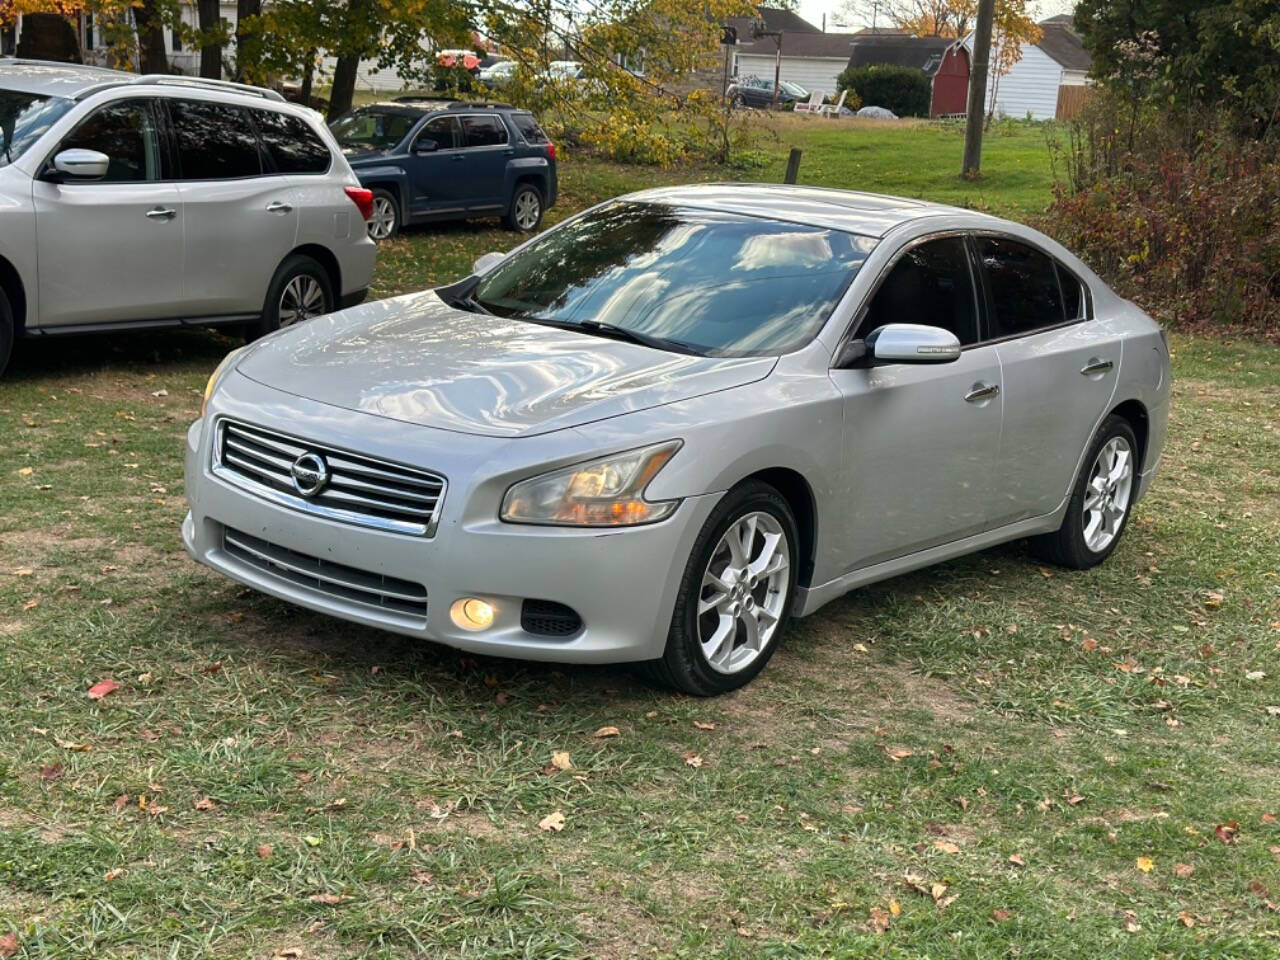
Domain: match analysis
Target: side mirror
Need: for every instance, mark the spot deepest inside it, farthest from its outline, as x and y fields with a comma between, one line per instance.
x=425, y=146
x=912, y=343
x=486, y=262
x=81, y=165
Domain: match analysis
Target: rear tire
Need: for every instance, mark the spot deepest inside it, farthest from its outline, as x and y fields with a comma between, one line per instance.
x=385, y=222
x=299, y=291
x=525, y=212
x=711, y=647
x=6, y=331
x=1101, y=501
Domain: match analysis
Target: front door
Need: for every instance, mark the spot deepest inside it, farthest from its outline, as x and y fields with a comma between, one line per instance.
x=1060, y=370
x=920, y=440
x=111, y=250
x=241, y=222
x=436, y=169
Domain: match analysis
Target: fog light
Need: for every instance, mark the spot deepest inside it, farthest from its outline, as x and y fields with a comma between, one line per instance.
x=472, y=613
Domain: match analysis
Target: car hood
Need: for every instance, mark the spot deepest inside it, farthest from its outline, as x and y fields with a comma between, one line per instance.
x=418, y=360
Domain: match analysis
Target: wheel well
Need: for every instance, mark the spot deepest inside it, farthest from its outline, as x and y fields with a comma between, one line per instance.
x=11, y=283
x=533, y=181
x=326, y=259
x=390, y=186
x=799, y=496
x=1136, y=414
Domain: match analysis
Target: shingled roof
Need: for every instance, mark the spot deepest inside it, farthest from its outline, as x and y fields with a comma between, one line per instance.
x=1063, y=44
x=889, y=50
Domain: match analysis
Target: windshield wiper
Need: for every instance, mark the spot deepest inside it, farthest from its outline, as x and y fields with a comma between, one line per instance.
x=469, y=304
x=613, y=331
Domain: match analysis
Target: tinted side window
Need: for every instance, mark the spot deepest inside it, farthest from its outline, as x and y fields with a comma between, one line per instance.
x=215, y=141
x=125, y=132
x=443, y=131
x=1072, y=294
x=291, y=143
x=530, y=132
x=930, y=284
x=1023, y=283
x=483, y=132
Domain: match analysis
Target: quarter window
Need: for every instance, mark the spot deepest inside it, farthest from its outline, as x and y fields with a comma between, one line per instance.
x=530, y=132
x=930, y=284
x=1072, y=294
x=126, y=133
x=1023, y=285
x=443, y=131
x=215, y=141
x=483, y=131
x=291, y=143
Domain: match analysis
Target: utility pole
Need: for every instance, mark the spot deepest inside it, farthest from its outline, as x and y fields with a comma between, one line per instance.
x=972, y=168
x=758, y=29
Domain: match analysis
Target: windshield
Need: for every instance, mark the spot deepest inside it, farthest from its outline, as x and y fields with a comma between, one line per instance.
x=714, y=283
x=372, y=128
x=792, y=89
x=24, y=117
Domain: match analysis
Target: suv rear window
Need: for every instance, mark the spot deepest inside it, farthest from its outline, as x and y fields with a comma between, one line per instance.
x=291, y=143
x=215, y=141
x=530, y=132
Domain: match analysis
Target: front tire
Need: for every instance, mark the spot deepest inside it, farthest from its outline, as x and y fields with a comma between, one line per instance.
x=6, y=332
x=1101, y=501
x=385, y=222
x=735, y=595
x=525, y=212
x=300, y=290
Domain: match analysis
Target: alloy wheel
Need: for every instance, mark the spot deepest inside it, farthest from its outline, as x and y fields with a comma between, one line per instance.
x=383, y=222
x=1106, y=497
x=302, y=299
x=744, y=592
x=527, y=209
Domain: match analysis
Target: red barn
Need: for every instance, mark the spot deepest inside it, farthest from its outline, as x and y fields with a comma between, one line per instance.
x=943, y=60
x=950, y=82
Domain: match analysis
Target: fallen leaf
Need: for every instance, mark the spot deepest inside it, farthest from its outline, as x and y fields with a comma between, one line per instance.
x=946, y=846
x=1186, y=919
x=102, y=688
x=1131, y=922
x=1089, y=645
x=1073, y=798
x=422, y=877
x=312, y=841
x=896, y=754
x=861, y=648
x=1045, y=572
x=704, y=725
x=1183, y=870
x=72, y=745
x=895, y=908
x=1016, y=860
x=31, y=604
x=9, y=945
x=560, y=760
x=26, y=472
x=880, y=920
x=607, y=732
x=265, y=850
x=52, y=771
x=692, y=759
x=23, y=572
x=1273, y=711
x=204, y=803
x=328, y=899
x=287, y=953
x=1146, y=864
x=1255, y=675
x=552, y=821
x=1227, y=832
x=1000, y=916
x=113, y=874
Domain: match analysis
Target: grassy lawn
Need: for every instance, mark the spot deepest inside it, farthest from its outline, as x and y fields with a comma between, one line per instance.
x=987, y=758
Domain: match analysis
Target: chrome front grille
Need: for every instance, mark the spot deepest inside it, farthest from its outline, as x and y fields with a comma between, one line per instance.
x=334, y=580
x=359, y=490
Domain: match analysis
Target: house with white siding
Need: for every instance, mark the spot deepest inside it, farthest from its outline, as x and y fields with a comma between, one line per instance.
x=1033, y=86
x=809, y=57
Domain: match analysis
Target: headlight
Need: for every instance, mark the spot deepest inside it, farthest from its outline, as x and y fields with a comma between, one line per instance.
x=608, y=492
x=217, y=375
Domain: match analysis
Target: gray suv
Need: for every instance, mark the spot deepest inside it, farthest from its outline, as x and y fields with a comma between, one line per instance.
x=147, y=201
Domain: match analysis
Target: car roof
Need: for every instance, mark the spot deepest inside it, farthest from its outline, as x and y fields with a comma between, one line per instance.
x=76, y=80
x=871, y=214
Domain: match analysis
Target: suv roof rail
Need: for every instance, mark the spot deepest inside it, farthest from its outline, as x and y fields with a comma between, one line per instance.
x=175, y=80
x=451, y=104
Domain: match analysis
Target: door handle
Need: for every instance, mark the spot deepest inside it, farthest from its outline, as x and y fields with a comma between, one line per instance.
x=278, y=206
x=161, y=213
x=1096, y=366
x=981, y=391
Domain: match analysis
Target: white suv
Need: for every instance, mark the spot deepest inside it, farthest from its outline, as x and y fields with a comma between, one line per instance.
x=147, y=201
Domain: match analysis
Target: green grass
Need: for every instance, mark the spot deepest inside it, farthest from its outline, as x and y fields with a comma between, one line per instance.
x=409, y=781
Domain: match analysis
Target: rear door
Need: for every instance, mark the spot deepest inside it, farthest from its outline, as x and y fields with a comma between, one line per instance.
x=241, y=219
x=486, y=150
x=111, y=249
x=1059, y=367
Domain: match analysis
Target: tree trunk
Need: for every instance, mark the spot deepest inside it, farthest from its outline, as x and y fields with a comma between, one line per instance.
x=247, y=41
x=210, y=51
x=304, y=92
x=972, y=167
x=344, y=85
x=152, y=56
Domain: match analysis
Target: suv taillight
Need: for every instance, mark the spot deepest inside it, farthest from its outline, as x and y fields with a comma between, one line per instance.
x=363, y=199
x=551, y=150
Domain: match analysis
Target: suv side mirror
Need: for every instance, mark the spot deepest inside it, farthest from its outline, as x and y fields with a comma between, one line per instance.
x=79, y=164
x=900, y=343
x=424, y=146
x=486, y=262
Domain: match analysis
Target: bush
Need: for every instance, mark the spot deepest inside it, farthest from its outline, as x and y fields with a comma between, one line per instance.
x=904, y=90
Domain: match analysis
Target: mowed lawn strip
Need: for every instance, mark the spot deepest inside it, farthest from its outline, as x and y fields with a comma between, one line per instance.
x=982, y=757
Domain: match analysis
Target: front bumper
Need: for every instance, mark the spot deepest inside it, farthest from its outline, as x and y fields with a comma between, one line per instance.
x=622, y=583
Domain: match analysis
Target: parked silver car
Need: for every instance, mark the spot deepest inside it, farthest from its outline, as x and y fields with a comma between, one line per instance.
x=658, y=429
x=146, y=201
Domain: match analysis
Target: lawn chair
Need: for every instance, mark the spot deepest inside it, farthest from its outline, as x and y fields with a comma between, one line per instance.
x=833, y=109
x=814, y=105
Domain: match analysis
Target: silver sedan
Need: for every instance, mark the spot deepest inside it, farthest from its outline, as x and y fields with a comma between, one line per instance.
x=658, y=430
